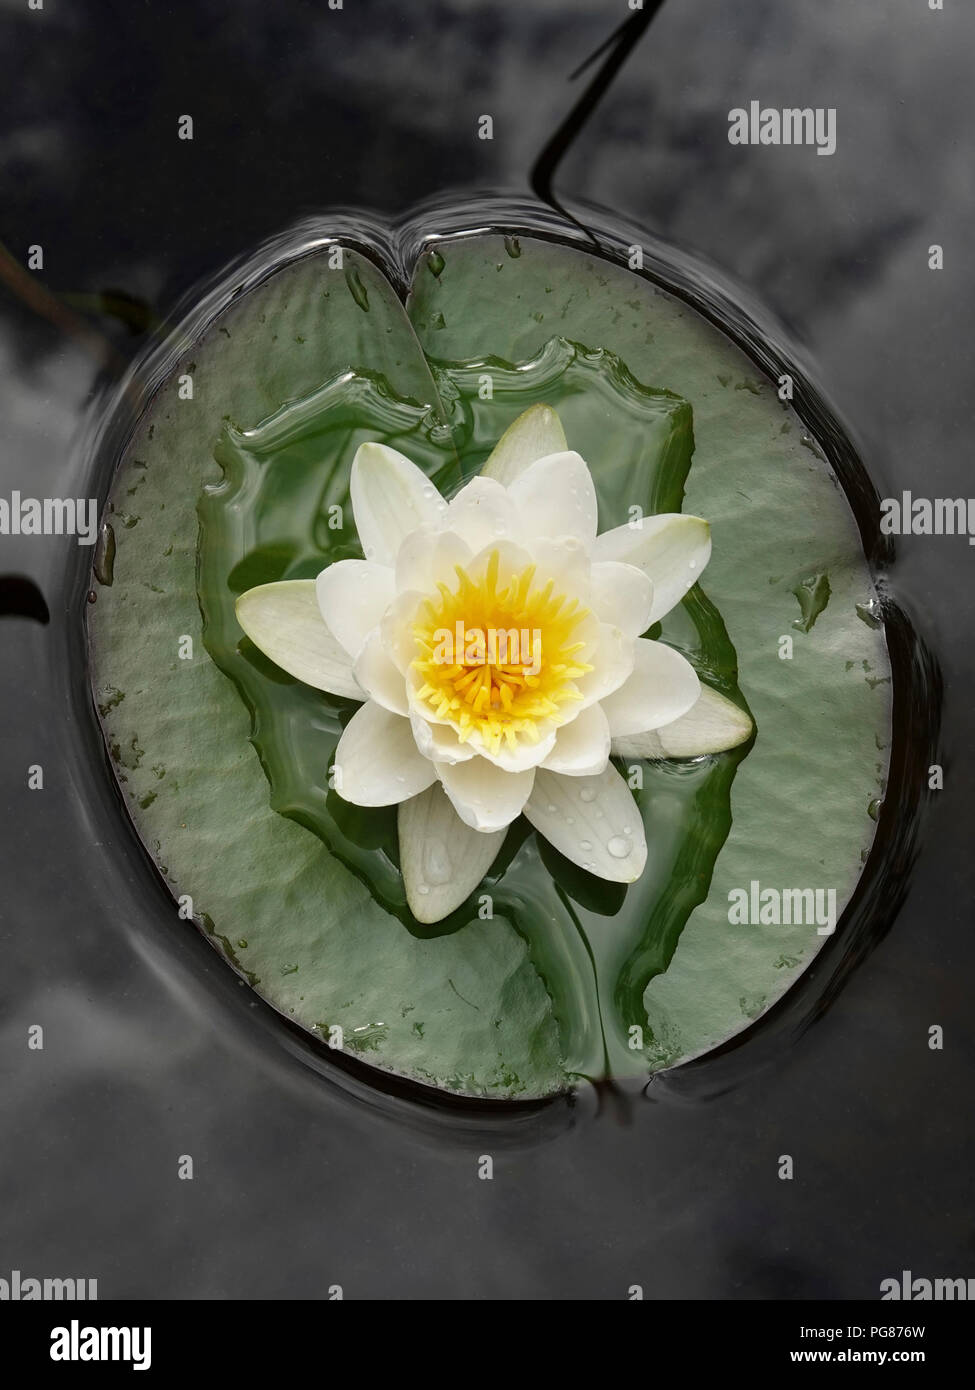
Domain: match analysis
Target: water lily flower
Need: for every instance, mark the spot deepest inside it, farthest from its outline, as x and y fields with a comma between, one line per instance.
x=495, y=641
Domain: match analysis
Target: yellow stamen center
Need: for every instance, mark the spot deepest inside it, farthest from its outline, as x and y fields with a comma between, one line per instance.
x=499, y=658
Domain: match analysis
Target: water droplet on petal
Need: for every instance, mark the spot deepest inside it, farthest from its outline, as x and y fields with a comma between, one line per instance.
x=570, y=820
x=552, y=809
x=585, y=844
x=423, y=889
x=619, y=847
x=587, y=794
x=436, y=862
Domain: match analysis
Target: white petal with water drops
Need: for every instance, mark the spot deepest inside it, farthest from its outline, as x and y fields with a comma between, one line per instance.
x=566, y=562
x=671, y=549
x=390, y=498
x=377, y=761
x=442, y=859
x=622, y=595
x=593, y=821
x=555, y=496
x=482, y=514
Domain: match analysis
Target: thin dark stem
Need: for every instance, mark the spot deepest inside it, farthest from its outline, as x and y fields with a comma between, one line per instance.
x=618, y=47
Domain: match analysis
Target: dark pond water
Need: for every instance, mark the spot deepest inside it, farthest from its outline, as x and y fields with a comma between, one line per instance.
x=152, y=1050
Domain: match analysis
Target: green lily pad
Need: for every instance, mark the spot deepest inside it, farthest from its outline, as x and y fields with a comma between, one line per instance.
x=286, y=381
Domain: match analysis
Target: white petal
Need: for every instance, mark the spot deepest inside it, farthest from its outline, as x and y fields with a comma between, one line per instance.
x=377, y=761
x=397, y=629
x=438, y=742
x=536, y=432
x=482, y=514
x=442, y=859
x=353, y=595
x=513, y=559
x=524, y=755
x=671, y=549
x=284, y=621
x=593, y=821
x=621, y=594
x=663, y=686
x=483, y=796
x=565, y=560
x=428, y=557
x=712, y=725
x=582, y=747
x=379, y=677
x=555, y=497
x=612, y=657
x=390, y=497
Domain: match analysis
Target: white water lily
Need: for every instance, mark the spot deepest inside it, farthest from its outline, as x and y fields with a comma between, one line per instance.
x=457, y=728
